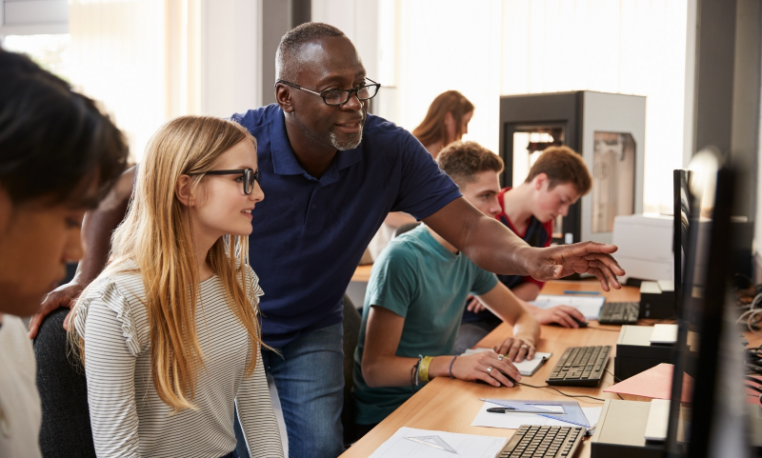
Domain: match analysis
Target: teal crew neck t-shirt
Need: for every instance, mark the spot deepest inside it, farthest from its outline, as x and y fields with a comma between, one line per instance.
x=419, y=280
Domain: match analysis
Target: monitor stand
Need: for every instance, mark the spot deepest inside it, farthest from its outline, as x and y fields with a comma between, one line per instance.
x=635, y=353
x=621, y=432
x=658, y=420
x=656, y=301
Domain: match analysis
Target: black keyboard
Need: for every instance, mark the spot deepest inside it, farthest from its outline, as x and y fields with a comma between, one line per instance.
x=619, y=313
x=543, y=441
x=580, y=366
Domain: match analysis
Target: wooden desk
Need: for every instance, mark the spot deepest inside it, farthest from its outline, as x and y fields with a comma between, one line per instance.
x=451, y=405
x=362, y=273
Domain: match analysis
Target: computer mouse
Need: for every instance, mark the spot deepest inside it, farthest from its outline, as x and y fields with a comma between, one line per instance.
x=582, y=324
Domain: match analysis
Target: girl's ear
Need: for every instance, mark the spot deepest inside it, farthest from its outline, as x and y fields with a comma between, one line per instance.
x=451, y=128
x=184, y=191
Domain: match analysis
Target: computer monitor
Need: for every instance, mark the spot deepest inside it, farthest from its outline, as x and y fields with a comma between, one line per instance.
x=703, y=297
x=680, y=221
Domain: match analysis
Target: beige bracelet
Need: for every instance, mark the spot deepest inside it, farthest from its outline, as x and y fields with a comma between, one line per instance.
x=423, y=373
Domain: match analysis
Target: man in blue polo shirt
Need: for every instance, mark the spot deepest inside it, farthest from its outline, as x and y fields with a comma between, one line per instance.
x=331, y=173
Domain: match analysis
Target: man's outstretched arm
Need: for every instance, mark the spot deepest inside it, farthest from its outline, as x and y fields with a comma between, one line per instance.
x=97, y=227
x=495, y=248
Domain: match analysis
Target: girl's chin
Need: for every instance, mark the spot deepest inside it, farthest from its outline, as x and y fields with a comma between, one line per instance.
x=241, y=232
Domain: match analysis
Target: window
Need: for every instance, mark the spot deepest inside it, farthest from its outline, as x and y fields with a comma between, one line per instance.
x=49, y=51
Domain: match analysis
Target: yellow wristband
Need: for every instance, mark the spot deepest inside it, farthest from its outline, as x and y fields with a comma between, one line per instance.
x=423, y=373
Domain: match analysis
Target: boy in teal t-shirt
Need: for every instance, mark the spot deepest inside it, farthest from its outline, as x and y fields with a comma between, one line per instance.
x=415, y=301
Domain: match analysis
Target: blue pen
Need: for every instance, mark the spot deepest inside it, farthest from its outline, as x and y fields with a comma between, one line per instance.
x=596, y=293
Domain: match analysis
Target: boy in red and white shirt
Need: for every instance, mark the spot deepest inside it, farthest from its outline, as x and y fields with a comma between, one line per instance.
x=557, y=180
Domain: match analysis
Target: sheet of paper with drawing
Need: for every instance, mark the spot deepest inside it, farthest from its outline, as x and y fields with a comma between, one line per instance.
x=586, y=417
x=590, y=306
x=526, y=368
x=515, y=420
x=422, y=443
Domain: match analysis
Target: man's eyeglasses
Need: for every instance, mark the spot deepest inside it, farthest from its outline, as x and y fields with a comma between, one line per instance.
x=336, y=97
x=248, y=177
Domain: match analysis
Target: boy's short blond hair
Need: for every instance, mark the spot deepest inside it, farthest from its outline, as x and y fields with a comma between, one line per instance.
x=462, y=160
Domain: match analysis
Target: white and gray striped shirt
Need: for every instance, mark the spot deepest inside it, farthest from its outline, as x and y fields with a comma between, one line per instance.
x=128, y=417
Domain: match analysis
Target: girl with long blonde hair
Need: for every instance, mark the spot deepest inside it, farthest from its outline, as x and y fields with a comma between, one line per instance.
x=169, y=331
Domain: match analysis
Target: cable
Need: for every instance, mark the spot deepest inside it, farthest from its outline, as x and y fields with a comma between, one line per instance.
x=753, y=316
x=561, y=392
x=616, y=379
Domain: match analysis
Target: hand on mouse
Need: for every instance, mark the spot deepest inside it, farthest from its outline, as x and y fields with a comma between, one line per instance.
x=487, y=366
x=563, y=315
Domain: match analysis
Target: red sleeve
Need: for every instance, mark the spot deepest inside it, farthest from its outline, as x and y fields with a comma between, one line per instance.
x=549, y=230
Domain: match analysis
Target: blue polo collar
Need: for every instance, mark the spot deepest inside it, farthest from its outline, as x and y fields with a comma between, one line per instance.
x=285, y=162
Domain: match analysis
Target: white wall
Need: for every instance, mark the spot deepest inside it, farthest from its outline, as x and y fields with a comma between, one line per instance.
x=231, y=60
x=24, y=17
x=150, y=61
x=358, y=19
x=490, y=48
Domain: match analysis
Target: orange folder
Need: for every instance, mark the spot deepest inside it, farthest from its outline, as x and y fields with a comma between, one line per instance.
x=653, y=383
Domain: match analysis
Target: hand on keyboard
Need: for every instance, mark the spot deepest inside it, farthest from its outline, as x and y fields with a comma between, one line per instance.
x=516, y=349
x=487, y=366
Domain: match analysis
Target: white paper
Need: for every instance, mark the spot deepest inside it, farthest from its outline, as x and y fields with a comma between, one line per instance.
x=543, y=408
x=526, y=367
x=592, y=414
x=515, y=420
x=590, y=306
x=466, y=445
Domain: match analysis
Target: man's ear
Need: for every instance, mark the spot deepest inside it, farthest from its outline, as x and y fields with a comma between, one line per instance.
x=184, y=191
x=283, y=97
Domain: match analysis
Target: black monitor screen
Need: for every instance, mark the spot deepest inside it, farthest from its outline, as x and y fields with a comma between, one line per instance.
x=681, y=216
x=703, y=295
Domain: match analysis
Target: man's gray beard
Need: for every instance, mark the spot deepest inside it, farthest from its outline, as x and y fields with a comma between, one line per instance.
x=347, y=145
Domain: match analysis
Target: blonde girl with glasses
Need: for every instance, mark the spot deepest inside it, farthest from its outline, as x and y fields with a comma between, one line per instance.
x=169, y=333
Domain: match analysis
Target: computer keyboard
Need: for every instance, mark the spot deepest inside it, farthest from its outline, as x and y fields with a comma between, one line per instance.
x=580, y=366
x=619, y=313
x=543, y=441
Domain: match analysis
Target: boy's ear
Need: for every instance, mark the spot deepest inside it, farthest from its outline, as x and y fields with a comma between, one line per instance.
x=184, y=191
x=539, y=181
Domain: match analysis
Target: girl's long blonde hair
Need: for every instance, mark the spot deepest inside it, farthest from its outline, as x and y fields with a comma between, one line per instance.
x=156, y=235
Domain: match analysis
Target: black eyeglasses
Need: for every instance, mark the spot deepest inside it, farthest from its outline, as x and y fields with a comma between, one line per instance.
x=336, y=97
x=248, y=176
